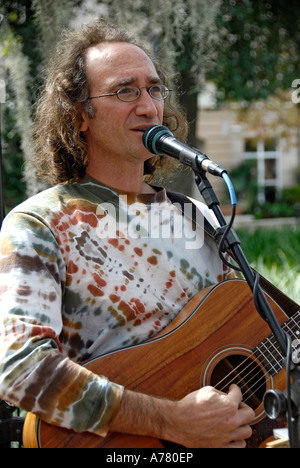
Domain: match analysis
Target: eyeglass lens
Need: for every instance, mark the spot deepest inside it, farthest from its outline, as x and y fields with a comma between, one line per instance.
x=130, y=93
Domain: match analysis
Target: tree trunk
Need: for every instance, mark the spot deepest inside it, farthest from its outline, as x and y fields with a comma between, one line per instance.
x=183, y=181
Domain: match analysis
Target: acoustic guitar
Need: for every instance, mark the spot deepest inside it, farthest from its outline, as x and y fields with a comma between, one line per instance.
x=217, y=339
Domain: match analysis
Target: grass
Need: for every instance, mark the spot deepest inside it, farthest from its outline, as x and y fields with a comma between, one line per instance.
x=275, y=254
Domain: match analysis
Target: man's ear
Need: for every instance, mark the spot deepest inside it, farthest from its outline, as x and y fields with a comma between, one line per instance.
x=84, y=125
x=84, y=118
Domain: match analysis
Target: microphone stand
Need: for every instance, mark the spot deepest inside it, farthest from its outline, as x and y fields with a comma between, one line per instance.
x=276, y=403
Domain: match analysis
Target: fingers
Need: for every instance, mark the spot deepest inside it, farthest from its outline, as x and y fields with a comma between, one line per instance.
x=243, y=418
x=235, y=394
x=215, y=419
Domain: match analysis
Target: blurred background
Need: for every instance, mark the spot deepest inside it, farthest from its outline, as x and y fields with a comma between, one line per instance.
x=236, y=68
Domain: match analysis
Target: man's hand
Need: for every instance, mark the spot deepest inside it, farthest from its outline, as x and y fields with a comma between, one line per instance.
x=210, y=418
x=204, y=418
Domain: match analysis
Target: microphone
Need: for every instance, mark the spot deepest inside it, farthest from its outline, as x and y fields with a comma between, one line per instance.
x=160, y=140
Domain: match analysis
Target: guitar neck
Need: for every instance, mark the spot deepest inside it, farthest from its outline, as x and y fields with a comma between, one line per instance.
x=268, y=351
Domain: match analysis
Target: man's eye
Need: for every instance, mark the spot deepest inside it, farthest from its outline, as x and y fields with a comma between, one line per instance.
x=156, y=89
x=124, y=91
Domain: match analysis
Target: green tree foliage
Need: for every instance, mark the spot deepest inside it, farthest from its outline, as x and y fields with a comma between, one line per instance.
x=259, y=53
x=20, y=58
x=27, y=36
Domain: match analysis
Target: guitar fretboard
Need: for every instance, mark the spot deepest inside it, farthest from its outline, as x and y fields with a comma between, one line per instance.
x=268, y=351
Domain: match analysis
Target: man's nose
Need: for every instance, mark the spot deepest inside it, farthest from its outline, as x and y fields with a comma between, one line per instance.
x=146, y=105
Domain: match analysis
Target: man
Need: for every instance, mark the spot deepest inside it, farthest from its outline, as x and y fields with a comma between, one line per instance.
x=70, y=292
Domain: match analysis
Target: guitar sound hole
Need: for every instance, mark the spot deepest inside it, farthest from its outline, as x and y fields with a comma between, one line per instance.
x=244, y=372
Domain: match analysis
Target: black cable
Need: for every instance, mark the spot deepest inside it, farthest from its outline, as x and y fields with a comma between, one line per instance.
x=224, y=238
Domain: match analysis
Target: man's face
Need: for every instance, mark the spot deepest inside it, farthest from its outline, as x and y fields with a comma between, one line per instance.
x=116, y=130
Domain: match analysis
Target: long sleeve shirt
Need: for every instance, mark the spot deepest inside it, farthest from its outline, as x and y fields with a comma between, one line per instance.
x=85, y=270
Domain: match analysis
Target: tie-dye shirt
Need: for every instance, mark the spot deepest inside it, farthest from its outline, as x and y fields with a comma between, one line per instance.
x=85, y=270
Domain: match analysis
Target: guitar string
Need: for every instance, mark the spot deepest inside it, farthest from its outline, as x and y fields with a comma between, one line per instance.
x=268, y=339
x=251, y=362
x=242, y=378
x=248, y=383
x=293, y=319
x=263, y=353
x=240, y=365
x=248, y=387
x=265, y=381
x=286, y=325
x=291, y=330
x=264, y=378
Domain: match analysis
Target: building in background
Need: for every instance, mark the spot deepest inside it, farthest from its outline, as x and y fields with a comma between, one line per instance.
x=261, y=136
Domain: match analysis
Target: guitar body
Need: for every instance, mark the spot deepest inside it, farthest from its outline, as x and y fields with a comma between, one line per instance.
x=210, y=342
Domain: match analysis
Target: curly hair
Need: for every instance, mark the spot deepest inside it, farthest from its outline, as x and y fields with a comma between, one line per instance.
x=60, y=147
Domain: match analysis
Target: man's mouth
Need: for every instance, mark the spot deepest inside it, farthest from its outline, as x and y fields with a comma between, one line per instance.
x=141, y=129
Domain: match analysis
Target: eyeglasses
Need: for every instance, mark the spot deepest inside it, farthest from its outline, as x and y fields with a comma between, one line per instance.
x=131, y=93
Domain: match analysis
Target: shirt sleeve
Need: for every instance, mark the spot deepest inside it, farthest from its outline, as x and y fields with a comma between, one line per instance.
x=35, y=375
